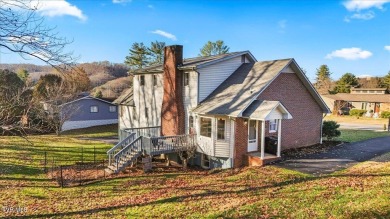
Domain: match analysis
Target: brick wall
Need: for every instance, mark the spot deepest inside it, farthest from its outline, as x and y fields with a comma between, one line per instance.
x=305, y=127
x=172, y=110
x=240, y=142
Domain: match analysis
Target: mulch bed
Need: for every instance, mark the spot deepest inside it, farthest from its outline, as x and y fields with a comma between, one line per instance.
x=294, y=153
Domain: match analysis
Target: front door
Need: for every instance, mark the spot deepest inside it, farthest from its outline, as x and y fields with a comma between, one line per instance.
x=252, y=135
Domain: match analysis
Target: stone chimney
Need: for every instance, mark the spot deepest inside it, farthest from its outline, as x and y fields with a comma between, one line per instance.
x=172, y=110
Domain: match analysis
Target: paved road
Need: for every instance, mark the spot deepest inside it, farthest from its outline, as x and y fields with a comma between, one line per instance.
x=339, y=157
x=355, y=126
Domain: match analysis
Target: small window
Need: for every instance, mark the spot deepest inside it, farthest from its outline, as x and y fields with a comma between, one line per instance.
x=154, y=80
x=221, y=129
x=273, y=125
x=94, y=109
x=186, y=79
x=142, y=80
x=146, y=112
x=112, y=109
x=205, y=161
x=205, y=127
x=191, y=122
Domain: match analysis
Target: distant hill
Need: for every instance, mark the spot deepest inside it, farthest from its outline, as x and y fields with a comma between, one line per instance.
x=113, y=89
x=98, y=72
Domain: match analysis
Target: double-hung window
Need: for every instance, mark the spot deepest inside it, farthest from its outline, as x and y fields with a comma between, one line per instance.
x=273, y=125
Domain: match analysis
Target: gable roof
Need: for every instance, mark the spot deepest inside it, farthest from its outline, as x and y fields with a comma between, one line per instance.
x=197, y=62
x=86, y=98
x=126, y=98
x=261, y=109
x=241, y=88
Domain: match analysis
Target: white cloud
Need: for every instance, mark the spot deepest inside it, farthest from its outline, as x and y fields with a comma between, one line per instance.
x=150, y=6
x=165, y=34
x=350, y=54
x=357, y=5
x=364, y=76
x=387, y=48
x=58, y=8
x=363, y=16
x=120, y=1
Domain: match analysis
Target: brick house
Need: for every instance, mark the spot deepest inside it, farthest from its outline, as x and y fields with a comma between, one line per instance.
x=233, y=103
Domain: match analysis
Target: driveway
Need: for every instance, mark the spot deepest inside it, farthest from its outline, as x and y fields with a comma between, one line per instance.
x=357, y=126
x=339, y=157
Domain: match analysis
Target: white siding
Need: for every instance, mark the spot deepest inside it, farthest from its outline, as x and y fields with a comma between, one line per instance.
x=222, y=147
x=205, y=144
x=190, y=96
x=148, y=97
x=212, y=76
x=127, y=117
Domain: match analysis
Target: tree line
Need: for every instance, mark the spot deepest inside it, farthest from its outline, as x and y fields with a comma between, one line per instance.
x=326, y=85
x=141, y=56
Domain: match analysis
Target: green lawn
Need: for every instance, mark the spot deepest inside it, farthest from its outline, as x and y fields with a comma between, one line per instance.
x=360, y=135
x=362, y=191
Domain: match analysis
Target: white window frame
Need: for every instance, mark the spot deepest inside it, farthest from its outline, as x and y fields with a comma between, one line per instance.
x=186, y=79
x=273, y=126
x=224, y=129
x=92, y=109
x=200, y=127
x=112, y=109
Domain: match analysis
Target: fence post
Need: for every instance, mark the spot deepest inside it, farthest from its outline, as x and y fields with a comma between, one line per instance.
x=45, y=168
x=62, y=181
x=94, y=154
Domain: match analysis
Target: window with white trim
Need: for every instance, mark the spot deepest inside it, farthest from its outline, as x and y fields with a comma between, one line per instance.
x=142, y=80
x=205, y=127
x=273, y=125
x=221, y=129
x=112, y=109
x=186, y=78
x=94, y=109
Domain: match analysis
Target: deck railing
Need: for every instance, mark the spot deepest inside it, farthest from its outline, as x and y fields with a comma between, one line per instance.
x=153, y=131
x=130, y=138
x=168, y=144
x=128, y=154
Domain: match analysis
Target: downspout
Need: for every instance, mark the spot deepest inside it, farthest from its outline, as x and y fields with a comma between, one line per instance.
x=322, y=124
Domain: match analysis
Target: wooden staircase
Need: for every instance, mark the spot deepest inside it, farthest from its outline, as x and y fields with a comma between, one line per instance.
x=126, y=152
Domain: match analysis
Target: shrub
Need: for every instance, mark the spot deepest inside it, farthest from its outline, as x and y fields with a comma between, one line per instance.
x=385, y=114
x=329, y=130
x=357, y=112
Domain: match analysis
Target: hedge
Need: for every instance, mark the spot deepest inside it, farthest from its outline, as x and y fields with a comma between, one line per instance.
x=357, y=112
x=385, y=114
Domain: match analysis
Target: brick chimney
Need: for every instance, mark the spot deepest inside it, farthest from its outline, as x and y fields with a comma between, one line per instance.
x=172, y=110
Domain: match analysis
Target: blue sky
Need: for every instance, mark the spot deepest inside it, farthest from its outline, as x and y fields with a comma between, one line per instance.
x=348, y=36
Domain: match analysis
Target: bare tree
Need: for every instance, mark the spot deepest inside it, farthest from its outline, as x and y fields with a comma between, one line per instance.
x=22, y=30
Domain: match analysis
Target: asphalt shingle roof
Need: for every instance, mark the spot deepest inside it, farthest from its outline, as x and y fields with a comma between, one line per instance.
x=239, y=89
x=126, y=98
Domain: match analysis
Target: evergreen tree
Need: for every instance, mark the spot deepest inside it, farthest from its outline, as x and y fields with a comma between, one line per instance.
x=386, y=81
x=99, y=94
x=323, y=81
x=214, y=48
x=138, y=57
x=156, y=52
x=345, y=83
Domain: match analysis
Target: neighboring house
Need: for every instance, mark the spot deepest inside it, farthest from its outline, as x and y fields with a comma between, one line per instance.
x=87, y=112
x=373, y=100
x=232, y=103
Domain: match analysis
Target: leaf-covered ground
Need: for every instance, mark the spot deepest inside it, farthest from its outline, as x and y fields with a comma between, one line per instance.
x=362, y=191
